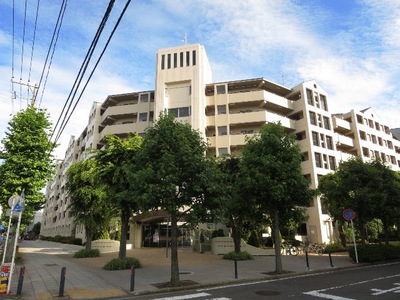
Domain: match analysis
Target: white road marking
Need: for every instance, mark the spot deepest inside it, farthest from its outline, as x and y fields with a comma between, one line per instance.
x=326, y=296
x=191, y=296
x=380, y=292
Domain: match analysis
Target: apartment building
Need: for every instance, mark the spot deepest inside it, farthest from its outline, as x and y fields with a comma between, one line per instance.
x=226, y=113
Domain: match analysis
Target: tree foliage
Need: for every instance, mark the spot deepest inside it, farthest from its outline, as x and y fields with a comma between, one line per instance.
x=88, y=198
x=370, y=189
x=175, y=176
x=27, y=162
x=272, y=177
x=115, y=162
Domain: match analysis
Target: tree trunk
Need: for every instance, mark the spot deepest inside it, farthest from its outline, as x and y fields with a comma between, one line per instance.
x=174, y=250
x=342, y=236
x=125, y=214
x=277, y=243
x=89, y=237
x=236, y=234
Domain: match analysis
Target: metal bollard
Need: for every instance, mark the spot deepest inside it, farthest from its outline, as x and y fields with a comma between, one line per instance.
x=236, y=271
x=132, y=288
x=308, y=265
x=20, y=281
x=62, y=282
x=330, y=258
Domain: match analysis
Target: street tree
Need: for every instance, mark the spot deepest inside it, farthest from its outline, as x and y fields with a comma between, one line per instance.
x=175, y=176
x=272, y=177
x=26, y=162
x=88, y=198
x=370, y=189
x=238, y=209
x=115, y=162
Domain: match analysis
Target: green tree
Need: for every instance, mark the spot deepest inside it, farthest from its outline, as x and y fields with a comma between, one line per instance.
x=238, y=210
x=273, y=178
x=88, y=198
x=27, y=162
x=36, y=228
x=175, y=176
x=116, y=161
x=370, y=189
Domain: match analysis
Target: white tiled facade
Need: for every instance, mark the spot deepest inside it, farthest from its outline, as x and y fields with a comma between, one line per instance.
x=226, y=113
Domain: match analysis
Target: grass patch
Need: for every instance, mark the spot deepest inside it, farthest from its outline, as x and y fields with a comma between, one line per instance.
x=122, y=264
x=87, y=253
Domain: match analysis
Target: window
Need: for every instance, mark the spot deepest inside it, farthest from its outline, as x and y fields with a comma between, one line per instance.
x=220, y=89
x=315, y=138
x=143, y=117
x=316, y=101
x=222, y=130
x=184, y=111
x=329, y=143
x=323, y=102
x=322, y=140
x=169, y=61
x=309, y=97
x=162, y=62
x=175, y=60
x=221, y=109
x=313, y=119
x=318, y=161
x=304, y=156
x=144, y=97
x=174, y=111
x=187, y=58
x=327, y=124
x=332, y=163
x=301, y=135
x=363, y=136
x=181, y=59
x=325, y=161
x=194, y=57
x=222, y=151
x=320, y=120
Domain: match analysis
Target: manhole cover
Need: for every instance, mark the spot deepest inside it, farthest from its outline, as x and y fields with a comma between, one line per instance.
x=268, y=293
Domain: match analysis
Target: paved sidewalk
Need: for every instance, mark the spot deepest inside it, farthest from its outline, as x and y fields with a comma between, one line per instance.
x=85, y=278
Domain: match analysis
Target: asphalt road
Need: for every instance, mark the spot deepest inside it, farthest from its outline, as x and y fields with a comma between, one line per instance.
x=377, y=281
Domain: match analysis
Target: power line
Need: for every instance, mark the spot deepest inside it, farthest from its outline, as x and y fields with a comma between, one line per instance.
x=98, y=61
x=33, y=40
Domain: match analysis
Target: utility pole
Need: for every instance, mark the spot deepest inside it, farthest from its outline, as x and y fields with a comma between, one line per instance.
x=33, y=88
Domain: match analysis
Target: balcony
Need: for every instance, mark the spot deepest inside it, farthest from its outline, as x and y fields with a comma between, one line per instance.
x=344, y=142
x=118, y=112
x=340, y=125
x=261, y=116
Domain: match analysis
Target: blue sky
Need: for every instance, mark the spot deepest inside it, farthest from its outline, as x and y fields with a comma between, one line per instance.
x=351, y=48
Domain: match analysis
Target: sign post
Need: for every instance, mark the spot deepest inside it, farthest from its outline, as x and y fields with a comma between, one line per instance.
x=349, y=215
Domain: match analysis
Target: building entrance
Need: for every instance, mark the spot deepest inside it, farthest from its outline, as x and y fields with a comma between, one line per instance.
x=158, y=233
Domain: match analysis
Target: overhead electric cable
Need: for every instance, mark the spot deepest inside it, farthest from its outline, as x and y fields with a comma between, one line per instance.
x=12, y=57
x=33, y=40
x=23, y=41
x=91, y=74
x=60, y=15
x=82, y=70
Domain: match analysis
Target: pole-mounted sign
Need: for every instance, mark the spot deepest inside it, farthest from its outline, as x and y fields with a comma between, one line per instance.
x=349, y=215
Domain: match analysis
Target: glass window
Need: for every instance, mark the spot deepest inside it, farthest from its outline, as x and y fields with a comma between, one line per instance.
x=184, y=111
x=222, y=151
x=169, y=61
x=309, y=97
x=222, y=130
x=144, y=97
x=187, y=58
x=174, y=111
x=162, y=62
x=143, y=117
x=194, y=57
x=181, y=59
x=323, y=102
x=313, y=119
x=327, y=124
x=329, y=143
x=315, y=138
x=318, y=161
x=332, y=162
x=221, y=109
x=175, y=60
x=220, y=89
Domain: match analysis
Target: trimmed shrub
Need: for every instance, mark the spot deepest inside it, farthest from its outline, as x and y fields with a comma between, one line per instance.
x=374, y=252
x=242, y=255
x=122, y=264
x=335, y=247
x=87, y=253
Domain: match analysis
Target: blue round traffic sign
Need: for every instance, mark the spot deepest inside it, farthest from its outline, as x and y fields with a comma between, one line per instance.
x=348, y=214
